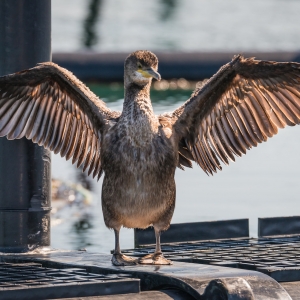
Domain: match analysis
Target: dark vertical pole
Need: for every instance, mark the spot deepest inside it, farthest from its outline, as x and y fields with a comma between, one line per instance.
x=25, y=199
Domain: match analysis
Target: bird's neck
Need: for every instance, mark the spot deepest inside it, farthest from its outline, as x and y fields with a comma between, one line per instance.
x=138, y=119
x=137, y=101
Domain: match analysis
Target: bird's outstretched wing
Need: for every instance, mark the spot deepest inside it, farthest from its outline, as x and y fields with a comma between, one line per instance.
x=242, y=105
x=50, y=106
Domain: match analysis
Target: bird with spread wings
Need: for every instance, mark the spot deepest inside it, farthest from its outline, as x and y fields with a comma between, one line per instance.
x=242, y=105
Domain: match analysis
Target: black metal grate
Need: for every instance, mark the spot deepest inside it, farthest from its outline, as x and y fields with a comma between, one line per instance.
x=32, y=281
x=279, y=257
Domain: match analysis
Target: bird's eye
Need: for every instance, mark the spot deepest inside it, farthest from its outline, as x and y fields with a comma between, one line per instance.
x=139, y=65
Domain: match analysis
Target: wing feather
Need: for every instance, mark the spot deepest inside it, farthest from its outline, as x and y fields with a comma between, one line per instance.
x=93, y=162
x=20, y=129
x=262, y=114
x=202, y=157
x=242, y=105
x=213, y=143
x=237, y=133
x=6, y=119
x=259, y=117
x=74, y=139
x=79, y=145
x=215, y=140
x=61, y=127
x=293, y=110
x=85, y=149
x=292, y=98
x=42, y=133
x=246, y=118
x=39, y=118
x=245, y=134
x=5, y=106
x=91, y=154
x=56, y=124
x=50, y=106
x=283, y=113
x=97, y=167
x=67, y=135
x=211, y=155
x=275, y=122
x=18, y=121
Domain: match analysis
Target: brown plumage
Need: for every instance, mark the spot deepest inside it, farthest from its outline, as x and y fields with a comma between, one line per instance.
x=242, y=105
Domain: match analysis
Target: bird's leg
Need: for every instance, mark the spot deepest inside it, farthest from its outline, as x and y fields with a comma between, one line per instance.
x=119, y=259
x=157, y=239
x=157, y=257
x=117, y=240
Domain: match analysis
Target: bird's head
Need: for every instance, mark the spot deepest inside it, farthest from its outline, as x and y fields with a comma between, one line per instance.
x=140, y=67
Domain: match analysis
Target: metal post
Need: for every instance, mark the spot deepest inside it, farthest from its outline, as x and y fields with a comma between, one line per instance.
x=25, y=168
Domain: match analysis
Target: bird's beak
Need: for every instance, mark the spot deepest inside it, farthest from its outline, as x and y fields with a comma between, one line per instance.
x=148, y=73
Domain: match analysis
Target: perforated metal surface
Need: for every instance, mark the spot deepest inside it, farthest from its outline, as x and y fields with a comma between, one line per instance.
x=32, y=281
x=278, y=257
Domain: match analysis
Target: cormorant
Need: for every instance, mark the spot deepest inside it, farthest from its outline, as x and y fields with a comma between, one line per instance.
x=242, y=105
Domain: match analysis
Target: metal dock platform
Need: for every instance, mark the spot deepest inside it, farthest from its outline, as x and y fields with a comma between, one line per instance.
x=229, y=266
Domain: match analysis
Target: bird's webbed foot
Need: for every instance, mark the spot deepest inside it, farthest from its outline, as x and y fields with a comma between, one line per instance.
x=120, y=259
x=156, y=258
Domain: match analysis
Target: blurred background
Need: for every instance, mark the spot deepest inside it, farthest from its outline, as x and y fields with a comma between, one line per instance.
x=175, y=25
x=264, y=183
